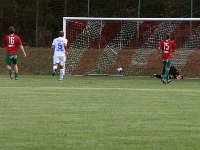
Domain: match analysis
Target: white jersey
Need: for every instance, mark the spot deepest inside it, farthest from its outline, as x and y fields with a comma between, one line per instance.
x=59, y=43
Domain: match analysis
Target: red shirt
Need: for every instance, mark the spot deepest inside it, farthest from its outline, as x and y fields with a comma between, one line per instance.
x=12, y=42
x=167, y=46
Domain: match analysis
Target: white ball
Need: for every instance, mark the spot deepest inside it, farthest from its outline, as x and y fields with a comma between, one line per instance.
x=119, y=69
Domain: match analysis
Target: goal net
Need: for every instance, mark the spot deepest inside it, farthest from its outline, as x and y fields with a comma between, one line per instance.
x=100, y=46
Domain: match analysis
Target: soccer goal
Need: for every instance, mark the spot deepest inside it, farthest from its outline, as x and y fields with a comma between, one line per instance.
x=102, y=45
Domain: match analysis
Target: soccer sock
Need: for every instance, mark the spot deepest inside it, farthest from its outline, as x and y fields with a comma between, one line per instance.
x=61, y=73
x=16, y=75
x=10, y=70
x=54, y=68
x=166, y=73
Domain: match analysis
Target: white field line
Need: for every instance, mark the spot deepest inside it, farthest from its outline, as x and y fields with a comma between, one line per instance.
x=103, y=88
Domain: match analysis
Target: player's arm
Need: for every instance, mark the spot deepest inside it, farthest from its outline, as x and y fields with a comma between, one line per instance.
x=174, y=46
x=65, y=47
x=53, y=46
x=4, y=42
x=22, y=49
x=159, y=50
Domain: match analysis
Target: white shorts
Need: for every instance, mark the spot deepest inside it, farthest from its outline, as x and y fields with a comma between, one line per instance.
x=59, y=60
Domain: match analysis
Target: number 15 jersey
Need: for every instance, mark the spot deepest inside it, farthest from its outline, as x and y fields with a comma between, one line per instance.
x=59, y=46
x=167, y=46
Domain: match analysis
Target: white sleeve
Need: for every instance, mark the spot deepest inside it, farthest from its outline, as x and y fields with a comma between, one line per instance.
x=53, y=43
x=65, y=41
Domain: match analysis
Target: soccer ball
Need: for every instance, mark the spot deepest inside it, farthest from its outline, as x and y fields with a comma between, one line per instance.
x=119, y=69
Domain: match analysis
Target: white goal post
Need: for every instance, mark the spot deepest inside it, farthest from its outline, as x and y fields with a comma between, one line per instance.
x=112, y=35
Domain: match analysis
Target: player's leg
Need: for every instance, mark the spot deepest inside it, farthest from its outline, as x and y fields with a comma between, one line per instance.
x=166, y=71
x=15, y=66
x=157, y=76
x=61, y=72
x=55, y=65
x=164, y=68
x=62, y=63
x=8, y=65
x=10, y=71
x=167, y=63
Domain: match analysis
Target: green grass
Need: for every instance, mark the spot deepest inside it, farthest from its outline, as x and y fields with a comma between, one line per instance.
x=98, y=113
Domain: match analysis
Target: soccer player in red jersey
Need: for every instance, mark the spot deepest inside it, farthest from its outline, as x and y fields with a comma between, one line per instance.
x=167, y=46
x=12, y=43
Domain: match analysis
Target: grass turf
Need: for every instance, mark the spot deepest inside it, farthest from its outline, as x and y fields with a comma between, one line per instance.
x=108, y=113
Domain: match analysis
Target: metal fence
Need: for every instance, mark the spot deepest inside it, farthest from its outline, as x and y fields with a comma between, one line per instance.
x=38, y=21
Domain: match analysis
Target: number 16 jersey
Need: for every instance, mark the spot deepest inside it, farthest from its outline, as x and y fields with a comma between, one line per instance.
x=12, y=43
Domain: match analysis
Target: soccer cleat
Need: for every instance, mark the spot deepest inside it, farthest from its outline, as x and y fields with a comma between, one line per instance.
x=11, y=76
x=169, y=81
x=16, y=78
x=60, y=79
x=154, y=76
x=164, y=81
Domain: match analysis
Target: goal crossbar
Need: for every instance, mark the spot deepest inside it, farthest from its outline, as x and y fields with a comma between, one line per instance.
x=133, y=19
x=124, y=19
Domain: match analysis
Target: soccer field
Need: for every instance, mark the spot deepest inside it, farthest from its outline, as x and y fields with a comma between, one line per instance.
x=99, y=113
